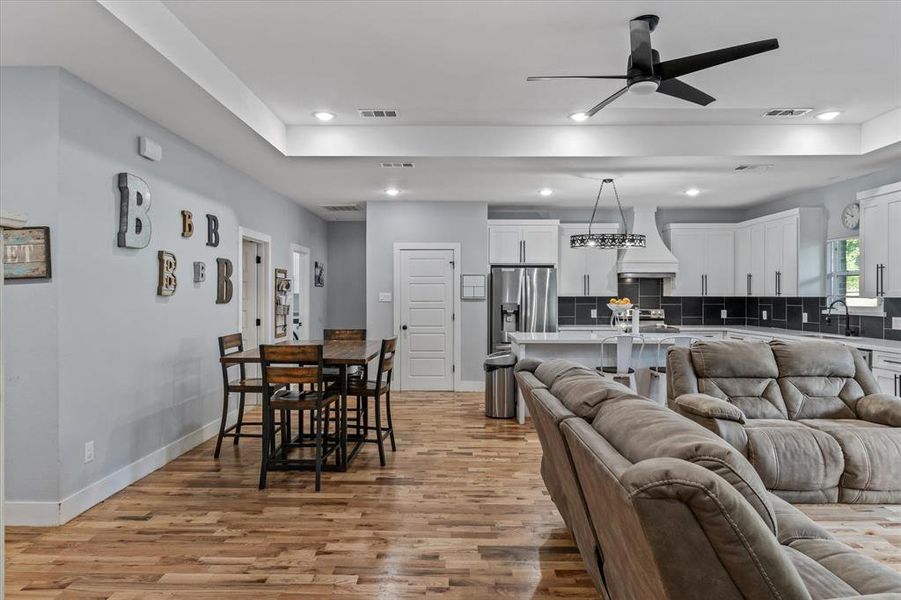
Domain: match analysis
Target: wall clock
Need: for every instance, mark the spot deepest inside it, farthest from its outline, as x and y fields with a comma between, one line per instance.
x=851, y=216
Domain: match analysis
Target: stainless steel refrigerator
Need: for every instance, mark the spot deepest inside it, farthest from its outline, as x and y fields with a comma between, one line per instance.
x=522, y=299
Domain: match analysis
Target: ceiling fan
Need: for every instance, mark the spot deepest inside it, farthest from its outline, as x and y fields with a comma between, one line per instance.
x=645, y=74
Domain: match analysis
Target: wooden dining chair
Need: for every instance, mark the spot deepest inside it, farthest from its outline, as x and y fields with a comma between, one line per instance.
x=301, y=366
x=364, y=390
x=230, y=344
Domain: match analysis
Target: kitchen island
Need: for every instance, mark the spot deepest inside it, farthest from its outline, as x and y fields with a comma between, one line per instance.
x=592, y=347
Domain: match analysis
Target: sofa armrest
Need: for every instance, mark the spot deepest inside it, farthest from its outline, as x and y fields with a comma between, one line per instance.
x=880, y=408
x=702, y=405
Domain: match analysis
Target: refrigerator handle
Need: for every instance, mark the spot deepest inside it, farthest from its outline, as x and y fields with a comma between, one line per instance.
x=525, y=307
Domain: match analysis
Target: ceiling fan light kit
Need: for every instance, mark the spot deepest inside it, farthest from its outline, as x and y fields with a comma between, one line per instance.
x=607, y=241
x=646, y=74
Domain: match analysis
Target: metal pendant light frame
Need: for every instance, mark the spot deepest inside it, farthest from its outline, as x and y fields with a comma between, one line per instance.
x=607, y=241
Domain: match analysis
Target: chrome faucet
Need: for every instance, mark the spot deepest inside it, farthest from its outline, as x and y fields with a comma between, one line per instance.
x=848, y=330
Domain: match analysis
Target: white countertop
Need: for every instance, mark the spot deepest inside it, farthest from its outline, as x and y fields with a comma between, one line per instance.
x=587, y=334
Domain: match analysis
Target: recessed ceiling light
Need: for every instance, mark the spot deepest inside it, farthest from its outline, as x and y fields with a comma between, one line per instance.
x=578, y=117
x=828, y=115
x=545, y=191
x=692, y=191
x=324, y=116
x=392, y=191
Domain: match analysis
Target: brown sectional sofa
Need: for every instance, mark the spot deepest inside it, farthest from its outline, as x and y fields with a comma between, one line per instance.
x=807, y=415
x=662, y=508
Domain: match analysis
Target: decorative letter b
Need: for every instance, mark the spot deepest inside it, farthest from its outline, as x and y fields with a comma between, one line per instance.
x=187, y=224
x=224, y=282
x=167, y=281
x=134, y=202
x=212, y=230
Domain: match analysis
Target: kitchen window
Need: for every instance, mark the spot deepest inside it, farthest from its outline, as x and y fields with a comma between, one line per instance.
x=843, y=267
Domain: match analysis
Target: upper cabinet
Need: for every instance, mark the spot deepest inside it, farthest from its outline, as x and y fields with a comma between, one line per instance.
x=522, y=242
x=750, y=245
x=706, y=259
x=880, y=224
x=586, y=271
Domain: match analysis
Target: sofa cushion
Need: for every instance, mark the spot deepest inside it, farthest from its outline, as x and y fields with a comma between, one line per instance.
x=872, y=454
x=791, y=457
x=861, y=573
x=550, y=370
x=583, y=392
x=640, y=430
x=813, y=358
x=742, y=373
x=793, y=525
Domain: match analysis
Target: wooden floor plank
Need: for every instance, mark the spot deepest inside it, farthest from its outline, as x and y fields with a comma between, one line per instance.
x=460, y=511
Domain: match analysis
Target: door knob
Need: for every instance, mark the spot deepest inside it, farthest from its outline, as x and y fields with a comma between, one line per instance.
x=404, y=327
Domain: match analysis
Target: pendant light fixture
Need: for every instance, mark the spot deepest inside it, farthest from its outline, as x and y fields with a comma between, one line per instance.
x=607, y=241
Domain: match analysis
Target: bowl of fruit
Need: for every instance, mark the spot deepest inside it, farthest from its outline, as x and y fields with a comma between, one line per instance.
x=619, y=305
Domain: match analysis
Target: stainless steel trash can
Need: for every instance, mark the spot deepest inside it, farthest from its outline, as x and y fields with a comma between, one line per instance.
x=500, y=387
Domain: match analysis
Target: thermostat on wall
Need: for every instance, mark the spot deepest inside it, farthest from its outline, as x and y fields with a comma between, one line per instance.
x=149, y=149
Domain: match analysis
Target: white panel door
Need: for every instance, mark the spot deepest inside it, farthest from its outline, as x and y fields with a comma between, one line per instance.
x=540, y=244
x=250, y=290
x=426, y=312
x=719, y=263
x=504, y=247
x=571, y=268
x=688, y=247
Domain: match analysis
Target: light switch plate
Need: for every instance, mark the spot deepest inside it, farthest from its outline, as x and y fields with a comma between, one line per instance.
x=384, y=296
x=724, y=314
x=594, y=313
x=89, y=451
x=896, y=322
x=763, y=316
x=803, y=317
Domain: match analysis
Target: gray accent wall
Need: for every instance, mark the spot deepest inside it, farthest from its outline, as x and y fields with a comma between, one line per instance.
x=411, y=221
x=346, y=274
x=95, y=354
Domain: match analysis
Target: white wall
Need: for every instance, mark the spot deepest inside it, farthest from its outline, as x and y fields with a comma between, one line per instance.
x=136, y=371
x=345, y=274
x=411, y=221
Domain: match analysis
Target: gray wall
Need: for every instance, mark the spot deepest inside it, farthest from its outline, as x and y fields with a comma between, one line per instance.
x=29, y=176
x=135, y=371
x=410, y=221
x=832, y=197
x=346, y=274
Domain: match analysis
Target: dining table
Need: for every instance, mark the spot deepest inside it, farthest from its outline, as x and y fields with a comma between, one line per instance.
x=335, y=353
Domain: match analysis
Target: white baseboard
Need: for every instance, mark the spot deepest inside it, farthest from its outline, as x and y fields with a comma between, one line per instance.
x=46, y=514
x=471, y=386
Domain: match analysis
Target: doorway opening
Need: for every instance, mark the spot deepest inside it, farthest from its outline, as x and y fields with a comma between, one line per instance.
x=255, y=294
x=300, y=293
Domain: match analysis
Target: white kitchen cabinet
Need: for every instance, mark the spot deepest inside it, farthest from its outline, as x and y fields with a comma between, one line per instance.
x=880, y=224
x=887, y=370
x=522, y=242
x=750, y=245
x=586, y=271
x=781, y=257
x=706, y=260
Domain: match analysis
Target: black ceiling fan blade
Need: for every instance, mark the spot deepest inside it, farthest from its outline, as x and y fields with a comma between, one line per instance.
x=697, y=62
x=640, y=36
x=606, y=101
x=683, y=91
x=548, y=77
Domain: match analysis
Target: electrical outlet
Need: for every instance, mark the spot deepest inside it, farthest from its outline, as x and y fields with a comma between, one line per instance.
x=594, y=313
x=384, y=296
x=723, y=314
x=763, y=316
x=896, y=322
x=803, y=317
x=89, y=451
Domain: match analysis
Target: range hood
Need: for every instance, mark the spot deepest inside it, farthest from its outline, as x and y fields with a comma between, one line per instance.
x=655, y=259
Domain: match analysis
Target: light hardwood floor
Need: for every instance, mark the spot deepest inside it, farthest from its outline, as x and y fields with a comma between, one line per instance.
x=459, y=512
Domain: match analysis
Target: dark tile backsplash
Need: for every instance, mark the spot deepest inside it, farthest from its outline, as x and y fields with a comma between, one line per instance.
x=781, y=312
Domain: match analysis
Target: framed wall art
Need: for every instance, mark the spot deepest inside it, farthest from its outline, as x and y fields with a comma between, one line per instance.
x=319, y=274
x=26, y=253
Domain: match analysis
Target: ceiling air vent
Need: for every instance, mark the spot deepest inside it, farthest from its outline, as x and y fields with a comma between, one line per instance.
x=753, y=168
x=787, y=112
x=342, y=208
x=397, y=165
x=377, y=113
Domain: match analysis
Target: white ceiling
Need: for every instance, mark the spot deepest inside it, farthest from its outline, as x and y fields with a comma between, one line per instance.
x=466, y=62
x=443, y=63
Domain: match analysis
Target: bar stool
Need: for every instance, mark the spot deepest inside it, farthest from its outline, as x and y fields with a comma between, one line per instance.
x=622, y=372
x=296, y=365
x=657, y=385
x=231, y=344
x=363, y=390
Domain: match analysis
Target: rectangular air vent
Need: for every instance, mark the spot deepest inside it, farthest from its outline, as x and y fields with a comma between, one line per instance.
x=757, y=167
x=787, y=112
x=397, y=165
x=377, y=113
x=342, y=208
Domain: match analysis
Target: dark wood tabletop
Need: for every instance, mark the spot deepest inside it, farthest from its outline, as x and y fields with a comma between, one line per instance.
x=333, y=352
